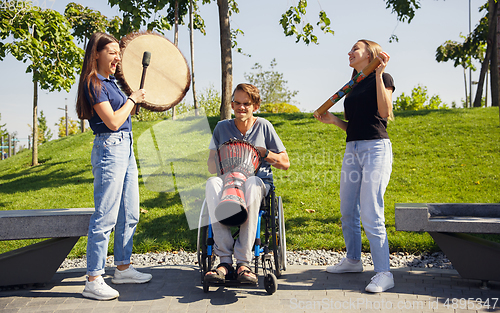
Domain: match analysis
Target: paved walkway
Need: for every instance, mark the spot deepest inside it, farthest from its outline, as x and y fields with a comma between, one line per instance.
x=301, y=289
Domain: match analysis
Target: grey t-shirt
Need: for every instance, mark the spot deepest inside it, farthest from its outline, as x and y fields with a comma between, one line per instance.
x=261, y=134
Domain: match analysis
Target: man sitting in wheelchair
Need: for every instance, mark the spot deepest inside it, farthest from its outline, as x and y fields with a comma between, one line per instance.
x=260, y=133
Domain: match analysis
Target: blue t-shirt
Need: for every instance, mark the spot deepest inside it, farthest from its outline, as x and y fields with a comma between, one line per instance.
x=261, y=134
x=111, y=93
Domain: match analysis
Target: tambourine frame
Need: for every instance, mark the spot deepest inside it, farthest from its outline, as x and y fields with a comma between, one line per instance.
x=124, y=84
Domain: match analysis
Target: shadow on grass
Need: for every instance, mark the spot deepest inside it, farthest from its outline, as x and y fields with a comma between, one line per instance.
x=427, y=112
x=168, y=230
x=46, y=177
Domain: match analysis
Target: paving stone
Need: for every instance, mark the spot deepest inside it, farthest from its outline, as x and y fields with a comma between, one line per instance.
x=301, y=289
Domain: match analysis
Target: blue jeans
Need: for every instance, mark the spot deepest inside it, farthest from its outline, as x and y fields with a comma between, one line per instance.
x=116, y=200
x=366, y=170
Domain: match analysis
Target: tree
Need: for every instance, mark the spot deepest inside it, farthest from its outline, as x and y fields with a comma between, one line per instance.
x=479, y=45
x=139, y=11
x=226, y=58
x=44, y=133
x=293, y=17
x=191, y=45
x=3, y=131
x=419, y=100
x=85, y=21
x=43, y=38
x=271, y=84
x=72, y=127
x=210, y=100
x=461, y=54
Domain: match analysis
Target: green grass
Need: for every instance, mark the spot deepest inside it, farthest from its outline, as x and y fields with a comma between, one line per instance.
x=439, y=156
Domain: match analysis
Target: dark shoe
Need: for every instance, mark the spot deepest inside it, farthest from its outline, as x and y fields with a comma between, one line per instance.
x=246, y=276
x=217, y=275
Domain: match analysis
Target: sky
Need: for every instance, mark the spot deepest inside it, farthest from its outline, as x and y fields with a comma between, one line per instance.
x=315, y=71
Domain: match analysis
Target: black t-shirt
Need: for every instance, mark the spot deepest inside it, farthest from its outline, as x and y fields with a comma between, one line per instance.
x=361, y=110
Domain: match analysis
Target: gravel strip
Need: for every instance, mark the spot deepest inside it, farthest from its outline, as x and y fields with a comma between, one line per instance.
x=305, y=257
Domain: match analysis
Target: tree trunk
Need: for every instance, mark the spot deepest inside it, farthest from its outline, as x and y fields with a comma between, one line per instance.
x=176, y=39
x=226, y=59
x=495, y=94
x=489, y=49
x=82, y=122
x=34, y=155
x=466, y=103
x=482, y=75
x=191, y=42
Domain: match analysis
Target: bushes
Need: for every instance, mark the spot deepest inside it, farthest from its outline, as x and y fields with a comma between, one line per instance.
x=419, y=100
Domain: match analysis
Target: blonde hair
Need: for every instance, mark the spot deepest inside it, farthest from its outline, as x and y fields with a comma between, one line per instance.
x=373, y=49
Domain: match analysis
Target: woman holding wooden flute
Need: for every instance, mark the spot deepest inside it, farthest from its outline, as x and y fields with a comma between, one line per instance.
x=367, y=164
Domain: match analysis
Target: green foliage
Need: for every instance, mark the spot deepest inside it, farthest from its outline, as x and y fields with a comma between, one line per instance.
x=3, y=131
x=472, y=48
x=454, y=161
x=419, y=100
x=210, y=101
x=405, y=9
x=86, y=21
x=44, y=133
x=147, y=116
x=281, y=107
x=292, y=18
x=43, y=38
x=466, y=103
x=461, y=53
x=138, y=13
x=73, y=127
x=271, y=84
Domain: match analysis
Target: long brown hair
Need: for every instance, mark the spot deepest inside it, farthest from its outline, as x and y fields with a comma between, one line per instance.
x=88, y=76
x=373, y=49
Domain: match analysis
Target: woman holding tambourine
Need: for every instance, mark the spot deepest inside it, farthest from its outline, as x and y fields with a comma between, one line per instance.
x=116, y=187
x=367, y=163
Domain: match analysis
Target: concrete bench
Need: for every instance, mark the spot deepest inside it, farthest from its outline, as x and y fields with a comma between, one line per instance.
x=38, y=263
x=450, y=225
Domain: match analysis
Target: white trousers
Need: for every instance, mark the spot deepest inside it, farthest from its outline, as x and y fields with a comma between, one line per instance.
x=255, y=190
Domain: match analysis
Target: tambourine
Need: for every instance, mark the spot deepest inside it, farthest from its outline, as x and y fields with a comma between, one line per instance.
x=168, y=77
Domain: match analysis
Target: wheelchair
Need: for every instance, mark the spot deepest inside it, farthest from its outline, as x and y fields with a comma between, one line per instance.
x=269, y=249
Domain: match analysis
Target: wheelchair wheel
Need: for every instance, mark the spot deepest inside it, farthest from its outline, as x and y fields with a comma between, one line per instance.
x=206, y=287
x=270, y=283
x=277, y=234
x=282, y=234
x=204, y=261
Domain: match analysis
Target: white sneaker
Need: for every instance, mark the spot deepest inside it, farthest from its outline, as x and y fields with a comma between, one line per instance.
x=381, y=282
x=130, y=276
x=344, y=266
x=99, y=290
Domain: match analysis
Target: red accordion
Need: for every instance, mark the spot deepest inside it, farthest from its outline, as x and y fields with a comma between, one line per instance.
x=236, y=160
